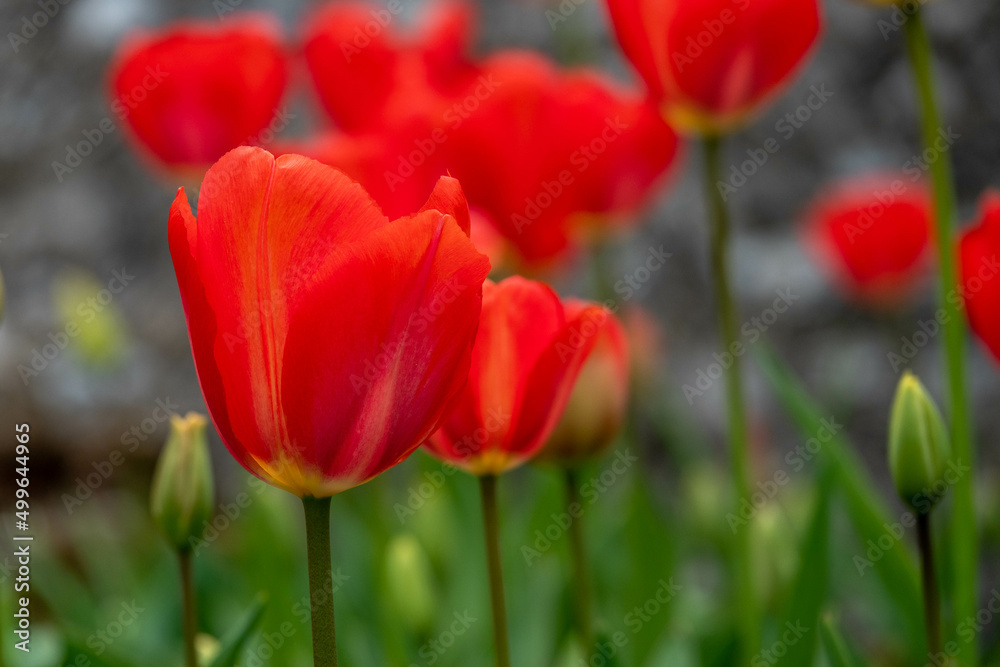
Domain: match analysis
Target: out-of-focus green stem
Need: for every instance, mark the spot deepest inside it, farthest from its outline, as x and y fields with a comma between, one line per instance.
x=324, y=632
x=581, y=582
x=190, y=608
x=491, y=523
x=963, y=542
x=739, y=454
x=928, y=576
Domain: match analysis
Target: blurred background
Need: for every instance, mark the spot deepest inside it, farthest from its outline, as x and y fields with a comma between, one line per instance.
x=89, y=248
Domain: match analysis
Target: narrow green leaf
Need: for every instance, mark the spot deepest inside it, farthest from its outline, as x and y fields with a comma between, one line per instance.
x=833, y=643
x=811, y=582
x=229, y=652
x=867, y=511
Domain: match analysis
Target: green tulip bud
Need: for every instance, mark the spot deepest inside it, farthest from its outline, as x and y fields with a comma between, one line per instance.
x=918, y=445
x=183, y=489
x=410, y=581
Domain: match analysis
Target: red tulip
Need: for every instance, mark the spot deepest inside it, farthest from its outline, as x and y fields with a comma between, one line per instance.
x=597, y=405
x=873, y=235
x=365, y=68
x=545, y=152
x=546, y=156
x=980, y=249
x=329, y=341
x=373, y=159
x=527, y=355
x=195, y=90
x=712, y=63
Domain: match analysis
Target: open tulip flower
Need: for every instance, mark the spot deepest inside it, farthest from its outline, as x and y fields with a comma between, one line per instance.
x=309, y=315
x=873, y=234
x=980, y=271
x=329, y=341
x=527, y=355
x=528, y=352
x=713, y=63
x=195, y=90
x=548, y=157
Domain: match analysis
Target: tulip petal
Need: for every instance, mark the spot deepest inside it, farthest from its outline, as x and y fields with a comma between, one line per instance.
x=542, y=404
x=371, y=358
x=203, y=333
x=980, y=270
x=447, y=197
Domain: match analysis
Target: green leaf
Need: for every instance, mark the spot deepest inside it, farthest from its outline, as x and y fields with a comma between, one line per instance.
x=833, y=643
x=867, y=511
x=811, y=582
x=229, y=652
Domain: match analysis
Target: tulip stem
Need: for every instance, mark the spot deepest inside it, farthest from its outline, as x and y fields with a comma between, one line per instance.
x=964, y=541
x=582, y=581
x=491, y=522
x=190, y=609
x=324, y=632
x=932, y=603
x=746, y=612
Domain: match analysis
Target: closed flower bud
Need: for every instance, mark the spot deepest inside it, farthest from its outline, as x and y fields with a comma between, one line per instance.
x=596, y=408
x=183, y=488
x=409, y=579
x=918, y=446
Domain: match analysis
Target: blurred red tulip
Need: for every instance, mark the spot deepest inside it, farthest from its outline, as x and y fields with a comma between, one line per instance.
x=544, y=153
x=547, y=156
x=712, y=63
x=365, y=68
x=980, y=265
x=329, y=341
x=596, y=408
x=646, y=341
x=872, y=234
x=527, y=355
x=195, y=90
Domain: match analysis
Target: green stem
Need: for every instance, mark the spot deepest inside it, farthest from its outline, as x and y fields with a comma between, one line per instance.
x=190, y=608
x=581, y=582
x=488, y=486
x=739, y=454
x=964, y=540
x=932, y=602
x=324, y=632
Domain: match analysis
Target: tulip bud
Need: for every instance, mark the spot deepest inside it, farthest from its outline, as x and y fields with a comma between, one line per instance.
x=408, y=576
x=597, y=405
x=183, y=489
x=918, y=445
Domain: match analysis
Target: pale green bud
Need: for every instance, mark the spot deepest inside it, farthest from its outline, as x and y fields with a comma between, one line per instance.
x=183, y=488
x=919, y=449
x=410, y=581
